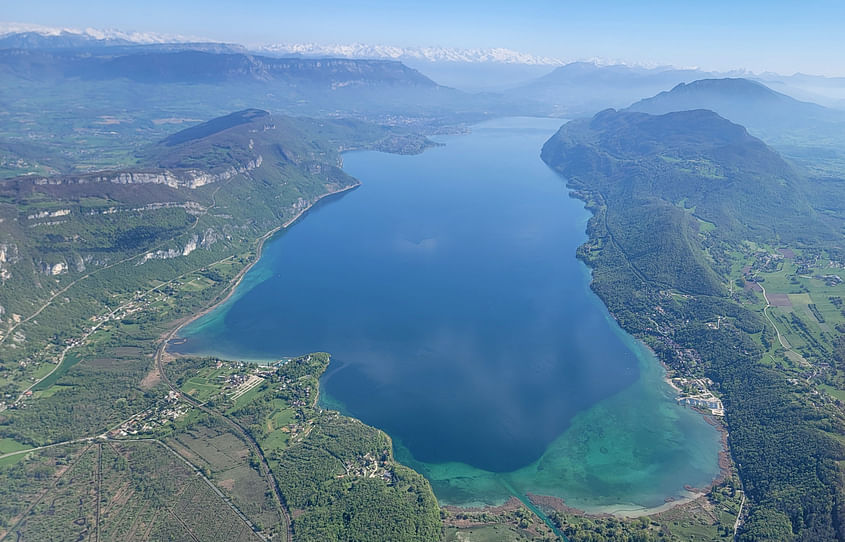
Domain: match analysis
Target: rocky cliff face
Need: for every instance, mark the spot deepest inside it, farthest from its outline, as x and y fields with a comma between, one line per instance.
x=191, y=207
x=187, y=178
x=196, y=241
x=8, y=256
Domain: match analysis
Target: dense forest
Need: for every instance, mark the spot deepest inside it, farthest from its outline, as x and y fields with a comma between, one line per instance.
x=654, y=184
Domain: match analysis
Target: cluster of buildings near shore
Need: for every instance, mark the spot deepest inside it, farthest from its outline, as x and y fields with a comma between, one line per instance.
x=695, y=393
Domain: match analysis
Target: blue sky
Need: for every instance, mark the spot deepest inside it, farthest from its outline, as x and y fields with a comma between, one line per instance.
x=784, y=36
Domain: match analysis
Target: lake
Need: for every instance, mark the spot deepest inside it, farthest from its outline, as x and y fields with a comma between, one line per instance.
x=460, y=322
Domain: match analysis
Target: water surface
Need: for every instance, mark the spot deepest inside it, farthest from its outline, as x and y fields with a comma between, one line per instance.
x=460, y=322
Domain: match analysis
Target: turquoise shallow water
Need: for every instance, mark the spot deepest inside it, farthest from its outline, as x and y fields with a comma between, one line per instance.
x=460, y=322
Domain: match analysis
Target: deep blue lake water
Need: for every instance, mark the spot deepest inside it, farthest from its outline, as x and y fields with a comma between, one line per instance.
x=460, y=322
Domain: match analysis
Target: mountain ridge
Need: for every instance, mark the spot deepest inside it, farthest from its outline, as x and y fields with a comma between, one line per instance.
x=499, y=55
x=731, y=178
x=584, y=88
x=702, y=93
x=76, y=36
x=804, y=131
x=205, y=67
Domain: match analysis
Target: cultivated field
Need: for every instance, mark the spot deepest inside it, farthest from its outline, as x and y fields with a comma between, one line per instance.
x=121, y=491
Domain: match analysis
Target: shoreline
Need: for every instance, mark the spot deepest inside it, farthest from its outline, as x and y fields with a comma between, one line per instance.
x=622, y=510
x=724, y=459
x=236, y=280
x=625, y=510
x=669, y=380
x=558, y=504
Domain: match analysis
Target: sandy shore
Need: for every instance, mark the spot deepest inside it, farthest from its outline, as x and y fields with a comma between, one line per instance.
x=671, y=384
x=622, y=510
x=636, y=511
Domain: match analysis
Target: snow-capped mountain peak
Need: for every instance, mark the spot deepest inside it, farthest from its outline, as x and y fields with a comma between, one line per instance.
x=428, y=54
x=7, y=28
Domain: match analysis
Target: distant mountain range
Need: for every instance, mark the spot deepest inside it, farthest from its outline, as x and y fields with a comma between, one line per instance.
x=492, y=69
x=151, y=86
x=200, y=66
x=25, y=36
x=38, y=36
x=777, y=118
x=67, y=41
x=225, y=78
x=468, y=69
x=427, y=54
x=582, y=88
x=829, y=91
x=741, y=100
x=471, y=70
x=383, y=82
x=193, y=66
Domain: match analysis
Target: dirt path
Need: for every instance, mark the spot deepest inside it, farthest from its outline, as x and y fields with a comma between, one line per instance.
x=99, y=490
x=783, y=342
x=184, y=525
x=74, y=441
x=738, y=521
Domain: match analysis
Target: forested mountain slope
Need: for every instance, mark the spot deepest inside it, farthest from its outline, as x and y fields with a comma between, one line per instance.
x=804, y=131
x=743, y=101
x=202, y=191
x=677, y=200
